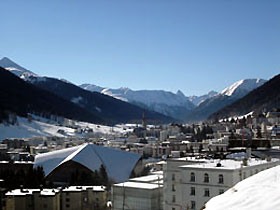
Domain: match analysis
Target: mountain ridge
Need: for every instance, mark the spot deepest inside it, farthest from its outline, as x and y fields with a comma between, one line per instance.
x=264, y=97
x=226, y=97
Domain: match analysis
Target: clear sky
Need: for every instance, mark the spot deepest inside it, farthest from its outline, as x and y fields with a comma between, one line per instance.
x=192, y=45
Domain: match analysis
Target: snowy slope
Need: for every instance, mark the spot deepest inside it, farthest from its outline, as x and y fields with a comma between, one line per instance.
x=92, y=88
x=260, y=191
x=44, y=127
x=225, y=98
x=243, y=86
x=16, y=69
x=196, y=100
x=22, y=72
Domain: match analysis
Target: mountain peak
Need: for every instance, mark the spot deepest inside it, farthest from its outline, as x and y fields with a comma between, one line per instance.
x=6, y=62
x=242, y=85
x=180, y=93
x=16, y=69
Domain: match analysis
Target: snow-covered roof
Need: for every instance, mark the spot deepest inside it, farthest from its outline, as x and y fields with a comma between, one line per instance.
x=260, y=191
x=24, y=192
x=228, y=164
x=138, y=185
x=119, y=164
x=147, y=179
x=83, y=188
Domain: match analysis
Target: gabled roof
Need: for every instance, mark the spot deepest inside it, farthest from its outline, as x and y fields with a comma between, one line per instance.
x=119, y=164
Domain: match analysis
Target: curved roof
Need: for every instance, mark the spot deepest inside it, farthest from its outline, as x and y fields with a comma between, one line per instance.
x=119, y=164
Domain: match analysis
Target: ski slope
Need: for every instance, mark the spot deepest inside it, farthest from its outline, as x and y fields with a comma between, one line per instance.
x=43, y=127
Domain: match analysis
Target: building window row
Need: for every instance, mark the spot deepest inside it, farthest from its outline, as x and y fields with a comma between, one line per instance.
x=206, y=192
x=206, y=178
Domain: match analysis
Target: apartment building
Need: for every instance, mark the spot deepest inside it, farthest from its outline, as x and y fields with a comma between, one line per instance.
x=172, y=175
x=190, y=186
x=83, y=197
x=70, y=198
x=30, y=199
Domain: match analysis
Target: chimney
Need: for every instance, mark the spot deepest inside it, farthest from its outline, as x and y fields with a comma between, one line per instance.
x=219, y=165
x=245, y=162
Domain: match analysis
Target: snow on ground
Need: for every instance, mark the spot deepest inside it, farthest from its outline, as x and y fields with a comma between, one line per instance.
x=261, y=191
x=24, y=129
x=44, y=127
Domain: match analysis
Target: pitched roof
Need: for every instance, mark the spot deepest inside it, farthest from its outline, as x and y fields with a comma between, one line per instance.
x=119, y=164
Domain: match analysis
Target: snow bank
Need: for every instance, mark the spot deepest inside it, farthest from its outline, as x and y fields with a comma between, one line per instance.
x=261, y=191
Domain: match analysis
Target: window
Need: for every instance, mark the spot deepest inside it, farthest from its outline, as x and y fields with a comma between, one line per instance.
x=67, y=205
x=173, y=188
x=192, y=204
x=67, y=199
x=221, y=179
x=221, y=191
x=173, y=199
x=244, y=175
x=192, y=177
x=206, y=192
x=173, y=177
x=206, y=178
x=173, y=209
x=192, y=190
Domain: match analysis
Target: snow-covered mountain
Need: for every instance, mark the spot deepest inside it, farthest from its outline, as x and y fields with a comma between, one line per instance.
x=92, y=88
x=165, y=102
x=175, y=105
x=242, y=87
x=96, y=105
x=226, y=97
x=196, y=100
x=22, y=72
x=16, y=69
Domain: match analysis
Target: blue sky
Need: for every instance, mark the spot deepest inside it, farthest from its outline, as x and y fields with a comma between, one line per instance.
x=192, y=45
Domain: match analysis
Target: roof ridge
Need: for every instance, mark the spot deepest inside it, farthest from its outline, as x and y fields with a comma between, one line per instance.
x=95, y=151
x=72, y=155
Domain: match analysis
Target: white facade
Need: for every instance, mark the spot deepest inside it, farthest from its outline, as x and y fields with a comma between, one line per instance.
x=142, y=193
x=172, y=181
x=191, y=186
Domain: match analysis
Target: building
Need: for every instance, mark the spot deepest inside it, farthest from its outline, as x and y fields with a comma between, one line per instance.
x=83, y=197
x=30, y=199
x=172, y=180
x=190, y=186
x=61, y=164
x=70, y=198
x=142, y=193
x=273, y=118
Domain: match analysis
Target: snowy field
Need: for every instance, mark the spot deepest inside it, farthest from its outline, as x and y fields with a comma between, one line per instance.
x=40, y=127
x=259, y=192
